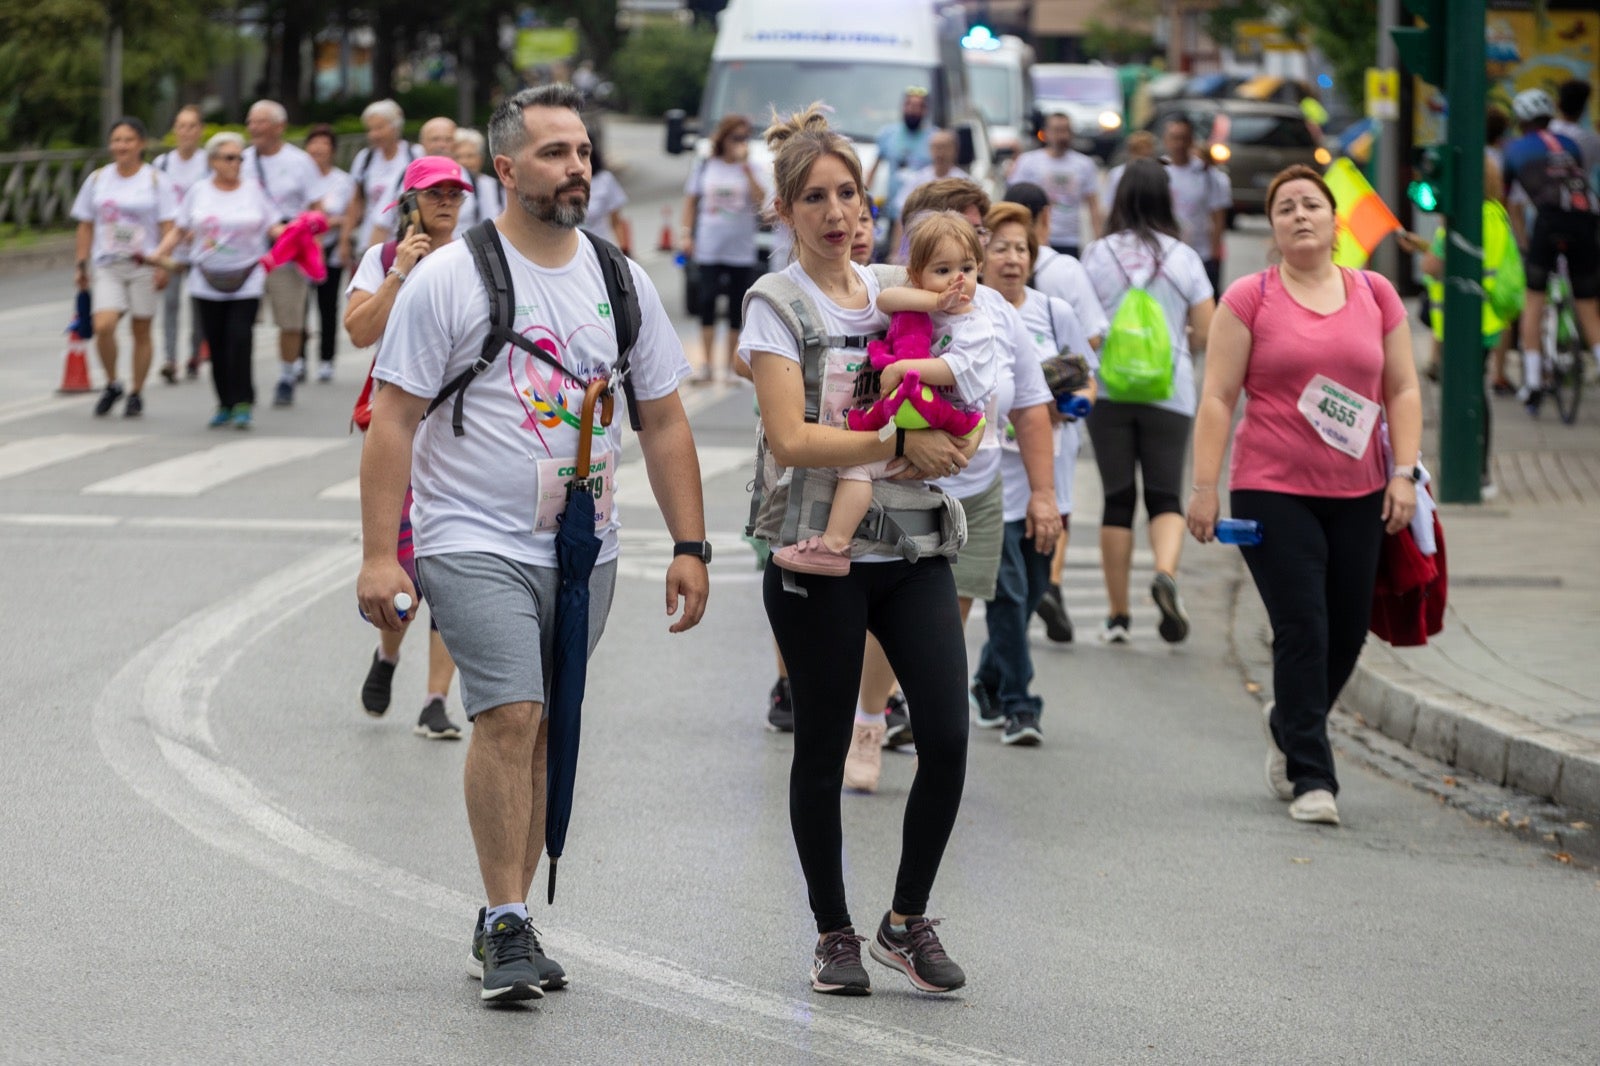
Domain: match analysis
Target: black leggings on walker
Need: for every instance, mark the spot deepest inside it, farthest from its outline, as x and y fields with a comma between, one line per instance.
x=911, y=609
x=1314, y=568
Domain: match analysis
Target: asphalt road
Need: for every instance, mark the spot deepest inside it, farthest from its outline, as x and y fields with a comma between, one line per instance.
x=211, y=854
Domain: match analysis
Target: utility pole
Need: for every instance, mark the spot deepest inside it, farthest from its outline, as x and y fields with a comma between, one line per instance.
x=111, y=71
x=1386, y=258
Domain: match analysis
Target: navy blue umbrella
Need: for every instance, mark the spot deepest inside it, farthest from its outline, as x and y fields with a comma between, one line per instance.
x=82, y=323
x=577, y=548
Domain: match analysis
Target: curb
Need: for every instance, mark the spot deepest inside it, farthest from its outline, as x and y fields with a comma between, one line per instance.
x=1492, y=742
x=52, y=253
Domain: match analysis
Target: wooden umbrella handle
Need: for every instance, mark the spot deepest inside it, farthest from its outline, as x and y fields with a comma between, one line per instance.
x=597, y=394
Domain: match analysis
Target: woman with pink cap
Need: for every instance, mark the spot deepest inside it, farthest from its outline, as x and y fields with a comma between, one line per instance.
x=431, y=196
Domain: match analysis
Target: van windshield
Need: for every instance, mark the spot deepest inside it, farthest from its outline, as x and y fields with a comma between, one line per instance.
x=1077, y=88
x=864, y=97
x=994, y=90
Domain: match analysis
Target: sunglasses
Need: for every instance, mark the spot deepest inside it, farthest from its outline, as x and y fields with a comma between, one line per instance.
x=227, y=158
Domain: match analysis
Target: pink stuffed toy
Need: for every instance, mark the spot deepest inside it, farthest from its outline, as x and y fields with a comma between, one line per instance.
x=298, y=244
x=912, y=405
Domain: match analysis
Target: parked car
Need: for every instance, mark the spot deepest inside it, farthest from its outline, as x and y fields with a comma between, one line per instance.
x=1253, y=140
x=1089, y=94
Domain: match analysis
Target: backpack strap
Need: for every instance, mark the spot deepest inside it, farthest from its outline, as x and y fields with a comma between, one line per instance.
x=386, y=254
x=626, y=317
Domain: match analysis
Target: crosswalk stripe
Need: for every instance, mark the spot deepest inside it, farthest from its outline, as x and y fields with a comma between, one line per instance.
x=344, y=490
x=24, y=456
x=198, y=472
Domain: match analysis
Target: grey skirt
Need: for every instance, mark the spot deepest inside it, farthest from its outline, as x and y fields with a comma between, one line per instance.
x=978, y=563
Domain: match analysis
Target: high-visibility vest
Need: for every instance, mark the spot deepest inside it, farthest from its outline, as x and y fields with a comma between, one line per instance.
x=1498, y=242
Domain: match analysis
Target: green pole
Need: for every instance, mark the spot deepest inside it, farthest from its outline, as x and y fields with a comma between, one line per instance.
x=1461, y=391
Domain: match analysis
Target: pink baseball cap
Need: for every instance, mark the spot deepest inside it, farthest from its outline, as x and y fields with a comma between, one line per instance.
x=432, y=171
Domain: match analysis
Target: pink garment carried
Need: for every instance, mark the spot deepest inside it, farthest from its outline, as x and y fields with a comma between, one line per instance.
x=910, y=336
x=298, y=244
x=1277, y=448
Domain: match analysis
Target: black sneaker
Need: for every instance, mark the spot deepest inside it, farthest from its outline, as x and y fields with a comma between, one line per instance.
x=108, y=399
x=1057, y=623
x=375, y=690
x=1022, y=730
x=434, y=723
x=984, y=713
x=169, y=372
x=918, y=954
x=551, y=975
x=897, y=722
x=134, y=407
x=1116, y=630
x=283, y=395
x=780, y=707
x=1174, y=627
x=509, y=973
x=836, y=968
x=191, y=369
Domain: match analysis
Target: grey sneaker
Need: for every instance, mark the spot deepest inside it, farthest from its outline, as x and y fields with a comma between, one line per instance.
x=836, y=968
x=985, y=715
x=551, y=975
x=918, y=954
x=1023, y=730
x=1315, y=806
x=897, y=719
x=509, y=972
x=435, y=723
x=1277, y=762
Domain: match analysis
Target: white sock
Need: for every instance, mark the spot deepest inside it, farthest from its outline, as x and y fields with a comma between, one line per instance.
x=868, y=717
x=496, y=913
x=1532, y=369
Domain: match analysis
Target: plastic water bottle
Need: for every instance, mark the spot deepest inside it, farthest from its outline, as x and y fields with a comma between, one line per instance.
x=1074, y=406
x=1245, y=532
x=402, y=607
x=679, y=259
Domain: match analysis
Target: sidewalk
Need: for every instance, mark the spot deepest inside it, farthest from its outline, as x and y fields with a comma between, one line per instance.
x=1510, y=690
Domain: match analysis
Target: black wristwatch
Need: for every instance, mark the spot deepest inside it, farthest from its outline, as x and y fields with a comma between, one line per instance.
x=701, y=549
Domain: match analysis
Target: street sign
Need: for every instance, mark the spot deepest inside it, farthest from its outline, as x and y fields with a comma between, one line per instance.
x=1383, y=94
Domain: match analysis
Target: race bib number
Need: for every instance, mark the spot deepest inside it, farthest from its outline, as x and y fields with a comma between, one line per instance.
x=557, y=479
x=845, y=386
x=125, y=238
x=1342, y=417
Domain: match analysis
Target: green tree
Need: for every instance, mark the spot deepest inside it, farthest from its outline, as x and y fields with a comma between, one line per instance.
x=1119, y=44
x=663, y=66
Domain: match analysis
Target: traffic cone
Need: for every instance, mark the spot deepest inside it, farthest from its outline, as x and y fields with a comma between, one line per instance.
x=666, y=230
x=75, y=368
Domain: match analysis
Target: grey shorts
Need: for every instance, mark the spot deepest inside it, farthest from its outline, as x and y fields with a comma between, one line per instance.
x=125, y=287
x=978, y=563
x=497, y=617
x=287, y=293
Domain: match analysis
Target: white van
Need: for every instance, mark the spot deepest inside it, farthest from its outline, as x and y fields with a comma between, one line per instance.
x=1000, y=79
x=856, y=57
x=1090, y=95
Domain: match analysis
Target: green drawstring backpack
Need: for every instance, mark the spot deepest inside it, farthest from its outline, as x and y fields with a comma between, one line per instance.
x=1136, y=359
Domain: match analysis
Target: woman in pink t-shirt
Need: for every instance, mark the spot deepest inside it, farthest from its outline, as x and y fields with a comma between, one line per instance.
x=1324, y=354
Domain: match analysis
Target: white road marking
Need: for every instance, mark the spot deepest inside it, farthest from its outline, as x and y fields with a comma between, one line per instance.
x=343, y=490
x=34, y=453
x=198, y=472
x=151, y=723
x=42, y=405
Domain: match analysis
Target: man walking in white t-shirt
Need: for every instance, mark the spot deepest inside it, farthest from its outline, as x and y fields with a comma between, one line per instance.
x=488, y=495
x=1200, y=197
x=1069, y=178
x=290, y=180
x=377, y=170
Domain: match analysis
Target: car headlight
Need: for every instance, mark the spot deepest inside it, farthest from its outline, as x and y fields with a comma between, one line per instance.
x=1220, y=153
x=1322, y=156
x=1110, y=120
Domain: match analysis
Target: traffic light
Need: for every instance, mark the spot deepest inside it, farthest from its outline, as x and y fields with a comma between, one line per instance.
x=1432, y=168
x=1423, y=50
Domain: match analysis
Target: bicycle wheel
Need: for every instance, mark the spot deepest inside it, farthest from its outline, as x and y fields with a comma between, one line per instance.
x=1564, y=369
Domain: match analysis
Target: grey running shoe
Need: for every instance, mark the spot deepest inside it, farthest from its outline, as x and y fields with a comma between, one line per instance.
x=897, y=717
x=551, y=975
x=1174, y=627
x=134, y=407
x=1057, y=623
x=984, y=713
x=918, y=954
x=836, y=968
x=780, y=707
x=435, y=723
x=1022, y=730
x=509, y=972
x=1277, y=762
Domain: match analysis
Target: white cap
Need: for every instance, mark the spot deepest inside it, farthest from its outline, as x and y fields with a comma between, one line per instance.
x=402, y=602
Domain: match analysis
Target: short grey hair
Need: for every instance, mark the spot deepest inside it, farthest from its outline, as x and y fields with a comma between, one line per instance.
x=219, y=141
x=272, y=108
x=386, y=109
x=508, y=135
x=467, y=135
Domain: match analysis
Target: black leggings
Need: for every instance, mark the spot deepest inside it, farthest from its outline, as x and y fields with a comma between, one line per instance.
x=229, y=329
x=1314, y=569
x=720, y=279
x=1129, y=435
x=328, y=311
x=911, y=609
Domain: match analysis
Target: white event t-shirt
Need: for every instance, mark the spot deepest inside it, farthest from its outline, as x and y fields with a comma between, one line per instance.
x=1053, y=328
x=289, y=175
x=368, y=273
x=184, y=174
x=727, y=216
x=1063, y=277
x=1117, y=262
x=334, y=190
x=229, y=232
x=126, y=212
x=482, y=492
x=1066, y=181
x=1197, y=191
x=605, y=196
x=379, y=179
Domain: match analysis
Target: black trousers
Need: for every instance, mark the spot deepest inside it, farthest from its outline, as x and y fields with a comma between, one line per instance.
x=328, y=311
x=229, y=328
x=1314, y=569
x=911, y=609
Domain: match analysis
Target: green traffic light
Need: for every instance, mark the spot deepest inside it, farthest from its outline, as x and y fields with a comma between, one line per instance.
x=1424, y=195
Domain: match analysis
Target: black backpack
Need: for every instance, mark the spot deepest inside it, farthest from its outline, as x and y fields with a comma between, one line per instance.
x=489, y=255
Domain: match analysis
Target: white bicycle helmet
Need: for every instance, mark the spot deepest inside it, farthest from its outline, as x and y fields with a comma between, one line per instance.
x=1532, y=104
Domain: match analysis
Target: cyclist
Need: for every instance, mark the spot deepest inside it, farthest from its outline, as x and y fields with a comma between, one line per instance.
x=1546, y=165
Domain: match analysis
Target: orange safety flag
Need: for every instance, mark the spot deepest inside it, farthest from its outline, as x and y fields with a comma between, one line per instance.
x=1364, y=219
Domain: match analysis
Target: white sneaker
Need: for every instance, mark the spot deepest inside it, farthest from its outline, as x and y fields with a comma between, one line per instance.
x=1315, y=806
x=325, y=372
x=1116, y=629
x=1277, y=762
x=865, y=759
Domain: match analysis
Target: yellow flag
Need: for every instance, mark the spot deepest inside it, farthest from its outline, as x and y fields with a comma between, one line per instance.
x=1364, y=219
